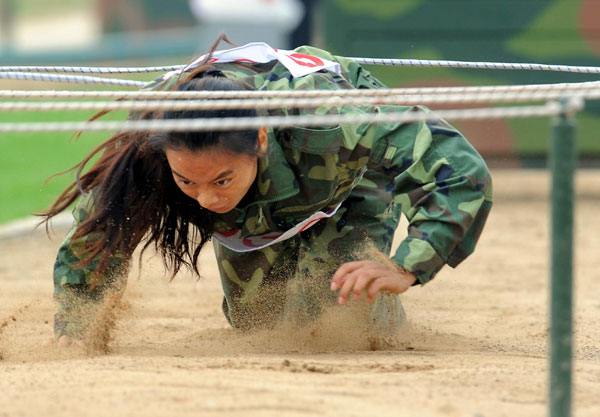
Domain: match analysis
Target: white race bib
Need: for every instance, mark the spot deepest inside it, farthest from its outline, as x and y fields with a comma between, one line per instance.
x=234, y=240
x=298, y=64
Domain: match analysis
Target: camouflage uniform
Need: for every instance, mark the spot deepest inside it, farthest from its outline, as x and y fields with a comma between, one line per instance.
x=425, y=170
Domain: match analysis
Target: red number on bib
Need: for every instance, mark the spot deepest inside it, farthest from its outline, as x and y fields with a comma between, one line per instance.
x=306, y=60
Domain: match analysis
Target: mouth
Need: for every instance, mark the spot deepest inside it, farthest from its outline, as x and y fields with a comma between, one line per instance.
x=220, y=209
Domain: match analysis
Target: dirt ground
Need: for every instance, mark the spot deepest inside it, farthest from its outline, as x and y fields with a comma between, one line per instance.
x=475, y=345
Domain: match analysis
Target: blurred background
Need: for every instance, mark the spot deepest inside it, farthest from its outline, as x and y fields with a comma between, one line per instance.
x=149, y=32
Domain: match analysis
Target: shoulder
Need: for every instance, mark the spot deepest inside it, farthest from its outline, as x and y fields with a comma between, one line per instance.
x=353, y=72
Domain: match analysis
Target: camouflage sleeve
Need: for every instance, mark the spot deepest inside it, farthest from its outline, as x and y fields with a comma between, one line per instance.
x=75, y=299
x=443, y=187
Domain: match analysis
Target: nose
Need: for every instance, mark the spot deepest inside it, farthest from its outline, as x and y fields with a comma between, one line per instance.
x=207, y=199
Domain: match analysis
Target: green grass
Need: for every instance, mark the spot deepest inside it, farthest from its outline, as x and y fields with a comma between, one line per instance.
x=30, y=8
x=27, y=160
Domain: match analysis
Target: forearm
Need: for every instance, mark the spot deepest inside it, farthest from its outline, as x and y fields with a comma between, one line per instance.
x=77, y=289
x=75, y=298
x=444, y=189
x=445, y=221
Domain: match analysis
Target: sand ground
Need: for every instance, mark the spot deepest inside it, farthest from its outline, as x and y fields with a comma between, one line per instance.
x=476, y=343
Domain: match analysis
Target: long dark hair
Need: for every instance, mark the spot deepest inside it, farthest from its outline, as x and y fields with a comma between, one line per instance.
x=134, y=196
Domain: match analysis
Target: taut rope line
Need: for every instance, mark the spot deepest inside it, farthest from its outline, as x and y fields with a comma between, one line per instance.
x=552, y=108
x=383, y=92
x=368, y=61
x=181, y=105
x=477, y=65
x=76, y=79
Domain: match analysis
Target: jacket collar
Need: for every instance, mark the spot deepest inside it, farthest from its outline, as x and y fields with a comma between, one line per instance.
x=275, y=179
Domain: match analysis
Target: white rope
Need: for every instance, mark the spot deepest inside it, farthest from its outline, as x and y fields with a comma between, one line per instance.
x=224, y=124
x=181, y=105
x=78, y=79
x=383, y=92
x=368, y=61
x=477, y=65
x=90, y=70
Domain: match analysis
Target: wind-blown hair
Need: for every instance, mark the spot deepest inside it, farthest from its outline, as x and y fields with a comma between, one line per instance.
x=134, y=196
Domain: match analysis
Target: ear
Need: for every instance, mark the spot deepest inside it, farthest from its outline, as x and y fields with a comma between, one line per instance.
x=263, y=141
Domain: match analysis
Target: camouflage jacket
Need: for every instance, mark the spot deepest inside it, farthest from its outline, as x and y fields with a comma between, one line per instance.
x=433, y=174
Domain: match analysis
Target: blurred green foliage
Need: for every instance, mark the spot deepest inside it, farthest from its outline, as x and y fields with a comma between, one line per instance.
x=543, y=31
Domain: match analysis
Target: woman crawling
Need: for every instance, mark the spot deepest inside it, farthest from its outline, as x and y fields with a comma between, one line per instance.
x=293, y=209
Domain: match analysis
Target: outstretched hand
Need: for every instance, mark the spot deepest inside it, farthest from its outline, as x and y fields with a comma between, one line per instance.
x=372, y=277
x=64, y=341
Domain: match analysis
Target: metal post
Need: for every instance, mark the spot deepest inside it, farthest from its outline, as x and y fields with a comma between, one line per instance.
x=562, y=162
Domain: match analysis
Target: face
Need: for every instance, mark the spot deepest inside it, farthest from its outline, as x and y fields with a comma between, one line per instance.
x=217, y=179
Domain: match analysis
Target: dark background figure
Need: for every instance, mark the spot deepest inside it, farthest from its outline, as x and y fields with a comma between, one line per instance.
x=303, y=34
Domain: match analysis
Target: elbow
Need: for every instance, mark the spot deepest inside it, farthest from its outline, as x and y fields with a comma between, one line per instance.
x=478, y=174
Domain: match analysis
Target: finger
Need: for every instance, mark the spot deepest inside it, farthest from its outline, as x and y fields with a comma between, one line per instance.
x=50, y=341
x=342, y=271
x=375, y=287
x=363, y=281
x=346, y=288
x=64, y=341
x=363, y=274
x=348, y=268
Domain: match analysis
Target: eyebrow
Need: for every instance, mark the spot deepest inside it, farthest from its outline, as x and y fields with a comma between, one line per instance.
x=223, y=175
x=218, y=177
x=179, y=175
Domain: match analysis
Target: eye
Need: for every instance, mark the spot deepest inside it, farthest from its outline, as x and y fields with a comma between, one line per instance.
x=183, y=182
x=222, y=183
